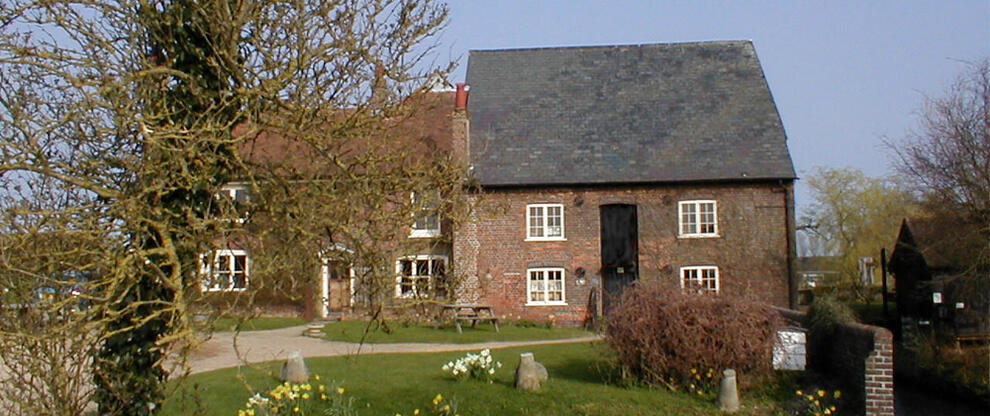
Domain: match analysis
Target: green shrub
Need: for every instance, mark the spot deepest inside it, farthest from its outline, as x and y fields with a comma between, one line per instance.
x=824, y=316
x=664, y=336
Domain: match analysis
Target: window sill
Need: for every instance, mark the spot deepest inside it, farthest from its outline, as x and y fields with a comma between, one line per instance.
x=424, y=234
x=206, y=289
x=545, y=304
x=699, y=236
x=545, y=239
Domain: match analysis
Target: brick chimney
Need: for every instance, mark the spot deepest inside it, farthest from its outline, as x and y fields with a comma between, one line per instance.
x=461, y=126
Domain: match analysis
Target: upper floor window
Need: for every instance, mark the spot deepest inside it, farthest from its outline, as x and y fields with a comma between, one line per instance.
x=426, y=221
x=545, y=222
x=237, y=195
x=698, y=219
x=421, y=276
x=226, y=270
x=545, y=286
x=701, y=278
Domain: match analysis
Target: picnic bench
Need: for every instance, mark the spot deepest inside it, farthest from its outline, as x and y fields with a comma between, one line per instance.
x=470, y=312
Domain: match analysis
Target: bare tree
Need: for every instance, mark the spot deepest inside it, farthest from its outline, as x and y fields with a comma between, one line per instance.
x=122, y=119
x=948, y=158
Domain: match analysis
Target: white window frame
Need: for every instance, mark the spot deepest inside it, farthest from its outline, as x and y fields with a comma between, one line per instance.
x=699, y=280
x=230, y=190
x=546, y=291
x=696, y=218
x=416, y=232
x=209, y=265
x=540, y=222
x=414, y=293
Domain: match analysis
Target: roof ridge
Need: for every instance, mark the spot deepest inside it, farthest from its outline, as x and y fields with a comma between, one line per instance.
x=621, y=45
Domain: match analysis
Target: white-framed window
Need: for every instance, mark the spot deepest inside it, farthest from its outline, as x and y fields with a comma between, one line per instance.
x=238, y=195
x=545, y=286
x=237, y=192
x=545, y=222
x=426, y=221
x=698, y=218
x=701, y=278
x=225, y=270
x=421, y=276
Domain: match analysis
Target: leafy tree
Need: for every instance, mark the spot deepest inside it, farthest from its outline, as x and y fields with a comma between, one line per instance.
x=121, y=119
x=852, y=216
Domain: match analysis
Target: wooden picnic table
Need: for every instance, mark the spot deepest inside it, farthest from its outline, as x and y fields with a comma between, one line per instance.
x=473, y=312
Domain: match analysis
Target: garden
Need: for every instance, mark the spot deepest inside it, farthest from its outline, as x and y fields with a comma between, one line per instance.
x=670, y=363
x=582, y=381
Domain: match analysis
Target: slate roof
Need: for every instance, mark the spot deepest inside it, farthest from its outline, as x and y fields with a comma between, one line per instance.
x=624, y=114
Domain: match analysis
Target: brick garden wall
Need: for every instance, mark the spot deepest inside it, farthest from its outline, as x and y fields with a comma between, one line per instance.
x=751, y=251
x=861, y=357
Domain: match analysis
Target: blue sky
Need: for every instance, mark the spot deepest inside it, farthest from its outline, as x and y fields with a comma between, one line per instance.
x=844, y=74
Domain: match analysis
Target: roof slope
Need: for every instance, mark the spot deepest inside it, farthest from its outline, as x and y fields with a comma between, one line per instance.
x=627, y=114
x=945, y=243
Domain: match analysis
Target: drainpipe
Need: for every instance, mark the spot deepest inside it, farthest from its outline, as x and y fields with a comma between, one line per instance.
x=792, y=283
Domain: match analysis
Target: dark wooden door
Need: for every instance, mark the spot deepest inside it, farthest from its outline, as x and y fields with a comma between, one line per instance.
x=620, y=250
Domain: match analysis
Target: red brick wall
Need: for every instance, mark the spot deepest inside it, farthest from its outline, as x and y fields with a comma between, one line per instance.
x=861, y=358
x=751, y=251
x=879, y=383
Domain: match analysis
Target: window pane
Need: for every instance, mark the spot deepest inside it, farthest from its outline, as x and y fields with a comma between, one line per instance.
x=555, y=286
x=406, y=267
x=422, y=267
x=688, y=221
x=223, y=263
x=240, y=281
x=536, y=286
x=536, y=221
x=707, y=217
x=554, y=222
x=239, y=263
x=439, y=268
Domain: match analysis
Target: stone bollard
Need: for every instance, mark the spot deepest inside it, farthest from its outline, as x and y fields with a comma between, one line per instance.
x=530, y=374
x=294, y=370
x=728, y=396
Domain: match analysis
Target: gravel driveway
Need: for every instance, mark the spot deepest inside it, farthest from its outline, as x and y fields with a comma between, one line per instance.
x=252, y=347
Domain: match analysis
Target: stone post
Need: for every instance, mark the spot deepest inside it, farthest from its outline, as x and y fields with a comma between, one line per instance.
x=728, y=396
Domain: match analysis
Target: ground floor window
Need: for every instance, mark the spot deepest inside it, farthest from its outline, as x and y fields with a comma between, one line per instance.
x=701, y=278
x=225, y=270
x=421, y=276
x=545, y=286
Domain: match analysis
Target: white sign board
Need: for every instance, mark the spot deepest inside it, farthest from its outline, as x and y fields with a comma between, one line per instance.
x=789, y=352
x=936, y=297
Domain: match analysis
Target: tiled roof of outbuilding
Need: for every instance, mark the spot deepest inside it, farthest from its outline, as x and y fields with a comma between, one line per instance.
x=624, y=114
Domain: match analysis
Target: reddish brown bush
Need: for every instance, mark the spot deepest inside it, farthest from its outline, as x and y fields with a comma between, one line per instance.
x=662, y=335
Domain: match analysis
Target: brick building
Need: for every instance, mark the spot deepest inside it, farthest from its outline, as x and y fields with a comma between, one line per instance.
x=597, y=167
x=604, y=165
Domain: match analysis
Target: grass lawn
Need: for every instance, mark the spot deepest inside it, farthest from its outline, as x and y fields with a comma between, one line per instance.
x=386, y=384
x=257, y=324
x=352, y=331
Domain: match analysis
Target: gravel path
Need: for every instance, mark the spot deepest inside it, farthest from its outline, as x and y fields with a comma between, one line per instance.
x=220, y=351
